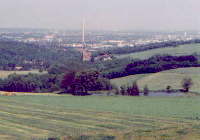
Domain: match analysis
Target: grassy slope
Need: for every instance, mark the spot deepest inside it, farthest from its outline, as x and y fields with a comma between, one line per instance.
x=22, y=117
x=180, y=50
x=4, y=74
x=128, y=80
x=159, y=81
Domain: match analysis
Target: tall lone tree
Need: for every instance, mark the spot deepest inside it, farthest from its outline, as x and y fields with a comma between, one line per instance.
x=146, y=90
x=187, y=84
x=68, y=80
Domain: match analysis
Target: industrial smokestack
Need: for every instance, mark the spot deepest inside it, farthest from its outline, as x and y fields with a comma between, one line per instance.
x=83, y=33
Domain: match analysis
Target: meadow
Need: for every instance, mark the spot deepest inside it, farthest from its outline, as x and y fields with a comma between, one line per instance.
x=175, y=51
x=160, y=80
x=99, y=118
x=4, y=74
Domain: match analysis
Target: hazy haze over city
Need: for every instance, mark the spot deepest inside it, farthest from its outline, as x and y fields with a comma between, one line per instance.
x=101, y=14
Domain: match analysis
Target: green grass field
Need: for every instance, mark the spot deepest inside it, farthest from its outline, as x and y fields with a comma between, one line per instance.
x=120, y=118
x=176, y=51
x=160, y=80
x=4, y=74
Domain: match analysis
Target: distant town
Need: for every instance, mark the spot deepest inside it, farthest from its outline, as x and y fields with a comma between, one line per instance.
x=94, y=39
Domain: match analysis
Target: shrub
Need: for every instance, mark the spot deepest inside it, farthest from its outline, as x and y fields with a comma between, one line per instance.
x=187, y=84
x=169, y=89
x=134, y=90
x=146, y=90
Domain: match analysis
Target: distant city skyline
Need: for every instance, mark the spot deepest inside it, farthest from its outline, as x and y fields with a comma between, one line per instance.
x=101, y=14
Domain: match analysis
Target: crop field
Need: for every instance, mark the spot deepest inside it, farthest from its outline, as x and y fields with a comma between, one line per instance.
x=176, y=51
x=4, y=74
x=160, y=80
x=99, y=118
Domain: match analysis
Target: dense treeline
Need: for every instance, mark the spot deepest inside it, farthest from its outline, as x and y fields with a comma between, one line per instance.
x=33, y=56
x=104, y=67
x=30, y=83
x=140, y=48
x=77, y=83
x=130, y=90
x=156, y=64
x=161, y=63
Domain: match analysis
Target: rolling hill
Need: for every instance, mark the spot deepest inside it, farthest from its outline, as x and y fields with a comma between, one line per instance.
x=160, y=80
x=176, y=51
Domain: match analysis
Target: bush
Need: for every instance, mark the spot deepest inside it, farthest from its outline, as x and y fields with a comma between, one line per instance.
x=134, y=90
x=187, y=84
x=146, y=90
x=169, y=89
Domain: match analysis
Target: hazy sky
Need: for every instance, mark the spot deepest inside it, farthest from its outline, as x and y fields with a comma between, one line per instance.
x=102, y=14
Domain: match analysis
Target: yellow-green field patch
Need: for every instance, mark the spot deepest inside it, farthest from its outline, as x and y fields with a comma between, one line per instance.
x=177, y=51
x=4, y=74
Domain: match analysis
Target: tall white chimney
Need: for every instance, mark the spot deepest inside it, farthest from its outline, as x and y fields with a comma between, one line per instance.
x=83, y=33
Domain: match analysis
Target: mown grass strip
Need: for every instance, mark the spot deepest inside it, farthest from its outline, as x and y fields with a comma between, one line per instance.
x=109, y=115
x=85, y=112
x=32, y=130
x=65, y=115
x=69, y=119
x=120, y=124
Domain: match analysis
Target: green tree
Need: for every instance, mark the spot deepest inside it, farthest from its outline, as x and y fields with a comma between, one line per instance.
x=82, y=82
x=169, y=89
x=146, y=90
x=68, y=81
x=187, y=84
x=134, y=90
